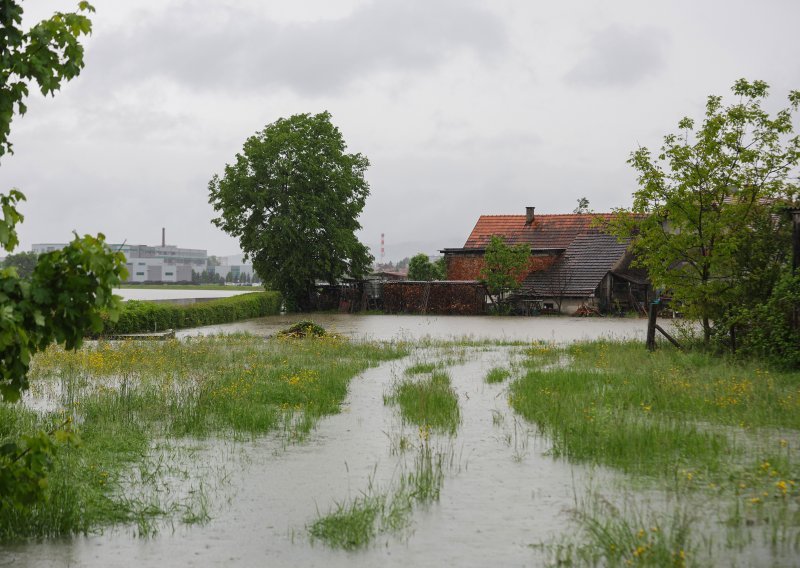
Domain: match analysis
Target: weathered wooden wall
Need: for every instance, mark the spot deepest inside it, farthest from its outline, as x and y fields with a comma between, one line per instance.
x=443, y=297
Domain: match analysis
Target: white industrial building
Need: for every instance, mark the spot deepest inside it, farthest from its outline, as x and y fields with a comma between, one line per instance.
x=165, y=263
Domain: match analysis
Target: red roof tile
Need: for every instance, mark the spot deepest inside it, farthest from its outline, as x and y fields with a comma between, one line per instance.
x=546, y=231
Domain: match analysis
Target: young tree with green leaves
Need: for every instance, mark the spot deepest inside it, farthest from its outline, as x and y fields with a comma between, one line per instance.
x=421, y=268
x=504, y=268
x=705, y=220
x=293, y=197
x=65, y=292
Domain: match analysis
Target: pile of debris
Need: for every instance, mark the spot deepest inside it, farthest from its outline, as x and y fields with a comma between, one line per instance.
x=302, y=329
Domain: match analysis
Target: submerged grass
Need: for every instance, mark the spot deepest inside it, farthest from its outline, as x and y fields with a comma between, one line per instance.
x=355, y=524
x=125, y=396
x=687, y=424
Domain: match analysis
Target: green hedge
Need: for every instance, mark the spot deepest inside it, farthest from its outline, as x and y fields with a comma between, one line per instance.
x=144, y=317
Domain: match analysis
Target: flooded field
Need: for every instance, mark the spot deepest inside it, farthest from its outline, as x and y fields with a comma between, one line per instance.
x=500, y=494
x=414, y=327
x=584, y=454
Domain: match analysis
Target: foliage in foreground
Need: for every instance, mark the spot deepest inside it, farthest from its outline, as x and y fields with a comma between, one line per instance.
x=697, y=427
x=143, y=317
x=709, y=225
x=126, y=395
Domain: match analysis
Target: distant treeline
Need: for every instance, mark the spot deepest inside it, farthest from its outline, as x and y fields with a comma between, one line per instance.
x=145, y=317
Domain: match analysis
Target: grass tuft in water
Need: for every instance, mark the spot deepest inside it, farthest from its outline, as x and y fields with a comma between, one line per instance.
x=355, y=524
x=497, y=375
x=429, y=403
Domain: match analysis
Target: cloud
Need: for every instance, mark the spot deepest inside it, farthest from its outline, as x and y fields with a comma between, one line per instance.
x=236, y=48
x=617, y=56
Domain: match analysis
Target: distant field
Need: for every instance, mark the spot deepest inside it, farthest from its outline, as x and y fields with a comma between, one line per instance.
x=189, y=287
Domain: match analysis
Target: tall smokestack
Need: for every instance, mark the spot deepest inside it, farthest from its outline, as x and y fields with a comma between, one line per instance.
x=163, y=236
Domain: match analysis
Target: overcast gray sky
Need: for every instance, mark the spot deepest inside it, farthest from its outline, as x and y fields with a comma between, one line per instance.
x=464, y=107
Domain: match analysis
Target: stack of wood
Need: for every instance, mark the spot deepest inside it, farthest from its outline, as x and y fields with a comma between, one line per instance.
x=585, y=311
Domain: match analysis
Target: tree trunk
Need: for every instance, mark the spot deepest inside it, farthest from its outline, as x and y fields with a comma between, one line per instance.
x=706, y=331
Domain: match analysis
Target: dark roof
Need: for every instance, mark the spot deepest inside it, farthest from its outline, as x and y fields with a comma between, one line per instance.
x=546, y=231
x=588, y=258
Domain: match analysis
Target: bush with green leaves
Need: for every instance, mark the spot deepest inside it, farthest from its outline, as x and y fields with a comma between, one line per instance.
x=145, y=317
x=771, y=330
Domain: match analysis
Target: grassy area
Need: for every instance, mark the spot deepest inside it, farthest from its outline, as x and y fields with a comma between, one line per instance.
x=126, y=396
x=690, y=425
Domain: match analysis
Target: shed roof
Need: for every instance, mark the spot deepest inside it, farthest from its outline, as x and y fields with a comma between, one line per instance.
x=588, y=258
x=545, y=232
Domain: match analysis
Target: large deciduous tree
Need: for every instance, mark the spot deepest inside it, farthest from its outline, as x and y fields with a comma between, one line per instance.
x=293, y=197
x=710, y=229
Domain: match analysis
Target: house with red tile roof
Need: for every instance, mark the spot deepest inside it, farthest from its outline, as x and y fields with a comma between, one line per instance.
x=573, y=261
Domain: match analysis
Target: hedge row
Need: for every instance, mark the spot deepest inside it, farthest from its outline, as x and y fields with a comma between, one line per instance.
x=145, y=317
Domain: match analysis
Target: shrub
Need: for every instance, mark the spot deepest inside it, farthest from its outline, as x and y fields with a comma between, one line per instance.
x=143, y=317
x=770, y=330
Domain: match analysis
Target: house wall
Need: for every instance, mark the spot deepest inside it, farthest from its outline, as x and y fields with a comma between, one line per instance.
x=469, y=266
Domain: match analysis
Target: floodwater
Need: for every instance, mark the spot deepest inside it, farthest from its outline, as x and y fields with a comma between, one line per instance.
x=501, y=496
x=414, y=327
x=155, y=294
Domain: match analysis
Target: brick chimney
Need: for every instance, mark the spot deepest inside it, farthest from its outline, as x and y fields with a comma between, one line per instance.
x=163, y=236
x=529, y=216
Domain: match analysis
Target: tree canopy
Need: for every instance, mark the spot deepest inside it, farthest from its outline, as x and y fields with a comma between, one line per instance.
x=706, y=220
x=293, y=197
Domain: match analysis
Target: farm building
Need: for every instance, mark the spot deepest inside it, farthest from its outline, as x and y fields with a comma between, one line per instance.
x=573, y=263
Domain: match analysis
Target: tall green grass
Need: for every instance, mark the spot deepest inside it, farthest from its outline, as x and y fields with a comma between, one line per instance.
x=690, y=425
